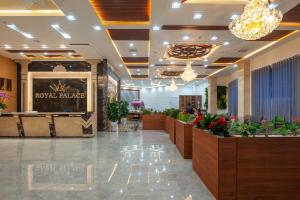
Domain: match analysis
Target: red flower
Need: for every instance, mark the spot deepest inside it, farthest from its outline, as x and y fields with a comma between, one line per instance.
x=200, y=117
x=199, y=113
x=196, y=122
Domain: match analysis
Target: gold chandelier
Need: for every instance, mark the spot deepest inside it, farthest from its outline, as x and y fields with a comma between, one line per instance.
x=188, y=74
x=257, y=20
x=173, y=86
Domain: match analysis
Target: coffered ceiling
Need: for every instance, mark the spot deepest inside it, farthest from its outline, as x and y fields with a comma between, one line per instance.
x=134, y=34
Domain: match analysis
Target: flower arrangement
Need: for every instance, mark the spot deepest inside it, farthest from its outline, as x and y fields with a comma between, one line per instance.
x=3, y=97
x=185, y=117
x=137, y=104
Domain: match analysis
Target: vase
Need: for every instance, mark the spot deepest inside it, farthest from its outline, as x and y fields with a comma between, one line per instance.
x=113, y=126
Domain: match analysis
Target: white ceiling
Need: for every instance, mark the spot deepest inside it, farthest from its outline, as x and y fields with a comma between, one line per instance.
x=100, y=45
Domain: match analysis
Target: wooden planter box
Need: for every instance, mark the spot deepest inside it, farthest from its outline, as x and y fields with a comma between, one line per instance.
x=170, y=128
x=214, y=162
x=248, y=168
x=184, y=139
x=153, y=122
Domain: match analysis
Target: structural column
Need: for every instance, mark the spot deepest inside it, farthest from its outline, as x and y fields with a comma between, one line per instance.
x=244, y=90
x=212, y=95
x=102, y=97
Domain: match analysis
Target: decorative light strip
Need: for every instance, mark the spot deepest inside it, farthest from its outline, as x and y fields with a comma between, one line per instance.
x=31, y=13
x=14, y=27
x=61, y=31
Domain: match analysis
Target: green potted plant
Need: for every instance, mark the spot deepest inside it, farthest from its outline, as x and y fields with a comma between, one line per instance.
x=185, y=117
x=113, y=114
x=123, y=111
x=244, y=129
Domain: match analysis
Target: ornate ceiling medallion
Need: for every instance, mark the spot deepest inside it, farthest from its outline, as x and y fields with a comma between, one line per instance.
x=257, y=20
x=188, y=51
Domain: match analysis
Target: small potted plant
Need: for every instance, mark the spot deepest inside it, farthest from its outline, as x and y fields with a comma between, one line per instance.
x=123, y=109
x=3, y=97
x=113, y=114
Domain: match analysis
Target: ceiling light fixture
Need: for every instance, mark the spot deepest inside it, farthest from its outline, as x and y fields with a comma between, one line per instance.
x=188, y=74
x=131, y=44
x=156, y=28
x=197, y=16
x=152, y=65
x=97, y=28
x=172, y=62
x=214, y=38
x=234, y=16
x=70, y=53
x=226, y=43
x=44, y=46
x=120, y=65
x=45, y=53
x=62, y=46
x=160, y=60
x=176, y=5
x=186, y=37
x=21, y=53
x=256, y=21
x=25, y=46
x=173, y=86
x=58, y=29
x=273, y=6
x=134, y=54
x=14, y=27
x=7, y=46
x=71, y=17
x=166, y=43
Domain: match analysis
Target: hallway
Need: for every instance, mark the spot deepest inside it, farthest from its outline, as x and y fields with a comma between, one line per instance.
x=126, y=166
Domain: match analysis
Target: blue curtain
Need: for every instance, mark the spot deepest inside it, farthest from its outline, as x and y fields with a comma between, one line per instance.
x=233, y=98
x=275, y=90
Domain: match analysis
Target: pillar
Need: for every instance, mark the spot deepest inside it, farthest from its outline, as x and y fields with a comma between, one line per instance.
x=102, y=96
x=212, y=95
x=244, y=89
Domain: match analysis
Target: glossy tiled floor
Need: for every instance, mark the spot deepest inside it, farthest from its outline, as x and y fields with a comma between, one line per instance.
x=140, y=165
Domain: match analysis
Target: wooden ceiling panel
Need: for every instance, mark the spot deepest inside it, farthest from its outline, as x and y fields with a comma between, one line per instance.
x=135, y=59
x=275, y=35
x=122, y=10
x=227, y=60
x=137, y=67
x=129, y=34
x=202, y=76
x=171, y=73
x=292, y=15
x=215, y=67
x=194, y=27
x=139, y=76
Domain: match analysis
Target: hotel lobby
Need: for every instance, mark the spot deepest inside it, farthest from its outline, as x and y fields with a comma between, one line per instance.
x=150, y=99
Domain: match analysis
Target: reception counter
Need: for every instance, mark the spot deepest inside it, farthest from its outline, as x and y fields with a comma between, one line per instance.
x=34, y=124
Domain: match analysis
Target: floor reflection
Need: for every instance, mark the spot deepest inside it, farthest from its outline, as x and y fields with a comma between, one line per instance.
x=138, y=165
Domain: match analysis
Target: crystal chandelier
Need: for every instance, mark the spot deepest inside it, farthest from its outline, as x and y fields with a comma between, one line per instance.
x=257, y=20
x=188, y=74
x=173, y=86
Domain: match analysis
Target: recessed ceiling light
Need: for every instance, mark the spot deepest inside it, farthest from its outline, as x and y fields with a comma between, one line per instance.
x=131, y=44
x=235, y=65
x=7, y=46
x=165, y=43
x=168, y=68
x=60, y=31
x=14, y=27
x=205, y=65
x=44, y=46
x=120, y=65
x=234, y=16
x=214, y=38
x=138, y=70
x=197, y=16
x=71, y=17
x=62, y=46
x=186, y=37
x=226, y=43
x=160, y=60
x=273, y=6
x=156, y=28
x=176, y=5
x=21, y=53
x=172, y=62
x=45, y=53
x=205, y=60
x=134, y=54
x=25, y=46
x=97, y=28
x=70, y=53
x=152, y=65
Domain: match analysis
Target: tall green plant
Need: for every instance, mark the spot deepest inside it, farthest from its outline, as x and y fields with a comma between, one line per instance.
x=206, y=99
x=221, y=97
x=123, y=108
x=113, y=110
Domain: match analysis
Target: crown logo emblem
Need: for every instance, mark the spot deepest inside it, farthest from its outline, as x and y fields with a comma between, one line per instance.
x=59, y=87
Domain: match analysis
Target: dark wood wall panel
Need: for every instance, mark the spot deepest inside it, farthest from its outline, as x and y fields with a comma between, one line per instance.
x=275, y=35
x=122, y=10
x=194, y=27
x=227, y=60
x=292, y=15
x=129, y=34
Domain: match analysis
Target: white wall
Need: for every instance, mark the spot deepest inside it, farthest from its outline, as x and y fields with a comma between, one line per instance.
x=162, y=98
